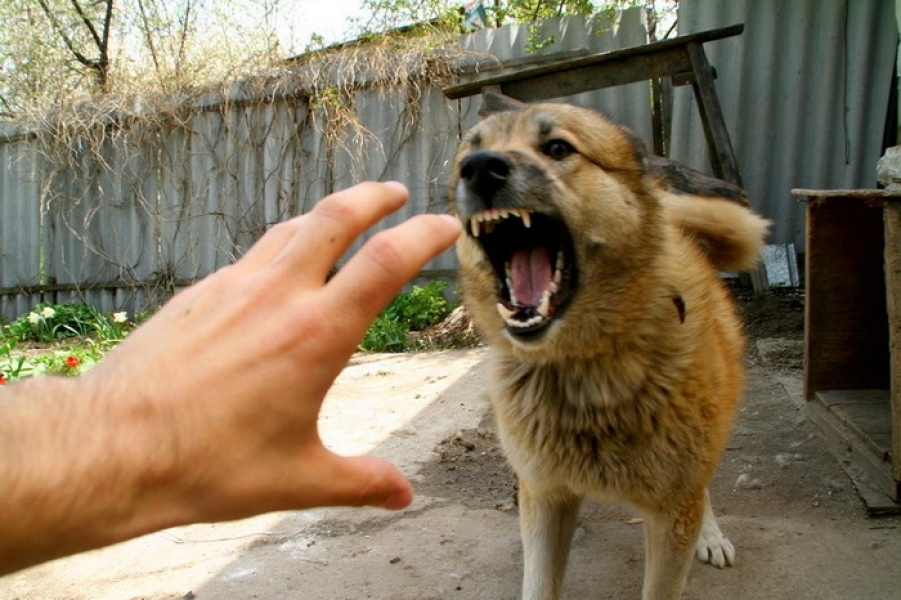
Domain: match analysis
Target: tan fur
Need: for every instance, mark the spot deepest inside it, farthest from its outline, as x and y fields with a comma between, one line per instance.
x=630, y=393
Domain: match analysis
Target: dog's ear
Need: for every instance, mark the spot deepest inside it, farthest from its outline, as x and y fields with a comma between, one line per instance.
x=495, y=102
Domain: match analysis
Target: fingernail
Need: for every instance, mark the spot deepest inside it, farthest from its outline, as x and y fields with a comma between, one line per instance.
x=398, y=185
x=398, y=500
x=451, y=219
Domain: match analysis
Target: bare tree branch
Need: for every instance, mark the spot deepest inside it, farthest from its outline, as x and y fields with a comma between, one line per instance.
x=101, y=64
x=62, y=34
x=148, y=35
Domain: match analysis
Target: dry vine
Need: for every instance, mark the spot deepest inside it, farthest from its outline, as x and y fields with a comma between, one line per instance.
x=143, y=194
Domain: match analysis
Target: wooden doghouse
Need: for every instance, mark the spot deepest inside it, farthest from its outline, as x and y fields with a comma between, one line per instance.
x=852, y=357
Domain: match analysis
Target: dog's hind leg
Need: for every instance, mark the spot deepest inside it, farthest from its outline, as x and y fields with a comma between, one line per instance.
x=712, y=546
x=547, y=522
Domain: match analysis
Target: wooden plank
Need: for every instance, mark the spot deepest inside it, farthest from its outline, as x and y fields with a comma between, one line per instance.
x=567, y=82
x=865, y=412
x=870, y=471
x=473, y=85
x=848, y=195
x=661, y=114
x=722, y=156
x=892, y=226
x=682, y=178
x=846, y=331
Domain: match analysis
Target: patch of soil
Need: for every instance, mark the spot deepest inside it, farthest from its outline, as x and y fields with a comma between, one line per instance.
x=777, y=313
x=471, y=468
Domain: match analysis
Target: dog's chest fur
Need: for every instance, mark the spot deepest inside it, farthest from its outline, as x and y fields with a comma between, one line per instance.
x=594, y=432
x=634, y=417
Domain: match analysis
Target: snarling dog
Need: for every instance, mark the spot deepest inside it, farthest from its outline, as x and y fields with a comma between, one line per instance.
x=617, y=353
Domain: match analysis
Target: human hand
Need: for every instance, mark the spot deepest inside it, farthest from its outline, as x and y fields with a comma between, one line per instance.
x=221, y=389
x=208, y=411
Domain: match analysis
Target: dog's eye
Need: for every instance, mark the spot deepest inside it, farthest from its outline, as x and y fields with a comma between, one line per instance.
x=557, y=149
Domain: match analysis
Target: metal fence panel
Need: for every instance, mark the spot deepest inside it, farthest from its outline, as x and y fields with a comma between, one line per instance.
x=805, y=93
x=20, y=221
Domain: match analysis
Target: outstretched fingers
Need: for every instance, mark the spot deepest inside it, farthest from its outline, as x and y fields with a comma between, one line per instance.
x=386, y=263
x=321, y=236
x=313, y=243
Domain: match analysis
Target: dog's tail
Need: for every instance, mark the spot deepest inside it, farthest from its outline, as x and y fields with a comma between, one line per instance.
x=731, y=235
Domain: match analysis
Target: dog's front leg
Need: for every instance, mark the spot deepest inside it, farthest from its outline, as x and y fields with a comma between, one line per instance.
x=547, y=522
x=712, y=546
x=669, y=542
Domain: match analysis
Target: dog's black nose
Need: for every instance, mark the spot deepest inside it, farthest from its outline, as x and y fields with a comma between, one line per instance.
x=484, y=173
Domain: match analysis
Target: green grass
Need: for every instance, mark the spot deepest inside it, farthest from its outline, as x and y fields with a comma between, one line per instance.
x=413, y=311
x=68, y=339
x=62, y=339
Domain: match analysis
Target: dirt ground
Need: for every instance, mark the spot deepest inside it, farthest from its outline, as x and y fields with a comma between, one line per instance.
x=796, y=519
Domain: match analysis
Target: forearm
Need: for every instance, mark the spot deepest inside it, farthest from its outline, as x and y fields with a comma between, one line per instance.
x=68, y=472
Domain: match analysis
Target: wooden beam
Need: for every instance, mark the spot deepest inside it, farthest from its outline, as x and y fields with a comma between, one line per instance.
x=628, y=69
x=722, y=156
x=50, y=288
x=594, y=63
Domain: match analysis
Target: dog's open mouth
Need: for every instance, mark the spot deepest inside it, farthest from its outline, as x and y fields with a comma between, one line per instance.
x=534, y=262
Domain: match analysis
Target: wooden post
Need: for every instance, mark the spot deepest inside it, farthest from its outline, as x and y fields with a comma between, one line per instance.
x=892, y=217
x=722, y=157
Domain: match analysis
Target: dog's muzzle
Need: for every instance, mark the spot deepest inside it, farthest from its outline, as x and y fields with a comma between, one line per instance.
x=530, y=251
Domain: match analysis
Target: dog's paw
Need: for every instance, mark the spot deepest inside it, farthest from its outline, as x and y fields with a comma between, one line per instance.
x=715, y=548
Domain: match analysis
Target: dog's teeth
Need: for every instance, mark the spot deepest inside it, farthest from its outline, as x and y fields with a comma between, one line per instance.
x=526, y=218
x=509, y=282
x=561, y=261
x=536, y=320
x=505, y=313
x=544, y=307
x=474, y=225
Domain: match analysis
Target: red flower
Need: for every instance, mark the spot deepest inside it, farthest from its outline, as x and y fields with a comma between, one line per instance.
x=72, y=361
x=3, y=380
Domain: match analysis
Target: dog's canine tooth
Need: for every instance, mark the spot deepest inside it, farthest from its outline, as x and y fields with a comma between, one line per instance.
x=544, y=307
x=474, y=225
x=526, y=217
x=505, y=313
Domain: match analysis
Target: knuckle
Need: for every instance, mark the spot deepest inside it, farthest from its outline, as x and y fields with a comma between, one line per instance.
x=336, y=207
x=385, y=255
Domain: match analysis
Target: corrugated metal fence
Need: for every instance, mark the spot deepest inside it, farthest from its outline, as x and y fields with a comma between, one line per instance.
x=805, y=92
x=131, y=207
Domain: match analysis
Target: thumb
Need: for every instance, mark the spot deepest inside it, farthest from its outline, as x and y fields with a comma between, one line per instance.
x=367, y=481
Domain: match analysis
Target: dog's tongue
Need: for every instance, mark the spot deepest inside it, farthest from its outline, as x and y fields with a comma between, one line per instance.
x=531, y=273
